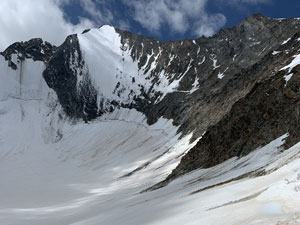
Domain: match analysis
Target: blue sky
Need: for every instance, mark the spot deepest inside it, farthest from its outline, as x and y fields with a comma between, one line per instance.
x=54, y=20
x=222, y=13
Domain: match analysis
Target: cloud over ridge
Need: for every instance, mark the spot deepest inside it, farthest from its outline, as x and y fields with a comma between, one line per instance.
x=26, y=19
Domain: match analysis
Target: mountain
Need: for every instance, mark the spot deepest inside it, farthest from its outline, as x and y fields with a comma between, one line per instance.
x=112, y=127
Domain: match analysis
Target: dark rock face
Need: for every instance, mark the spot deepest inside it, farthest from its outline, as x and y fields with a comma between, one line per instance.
x=78, y=99
x=230, y=52
x=268, y=111
x=35, y=49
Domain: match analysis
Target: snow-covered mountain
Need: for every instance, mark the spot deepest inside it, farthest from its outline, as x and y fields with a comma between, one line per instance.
x=115, y=128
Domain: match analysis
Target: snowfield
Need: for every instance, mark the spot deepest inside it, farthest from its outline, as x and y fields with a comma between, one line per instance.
x=96, y=172
x=54, y=171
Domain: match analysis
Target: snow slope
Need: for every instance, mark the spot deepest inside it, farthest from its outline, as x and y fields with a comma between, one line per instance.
x=113, y=71
x=96, y=172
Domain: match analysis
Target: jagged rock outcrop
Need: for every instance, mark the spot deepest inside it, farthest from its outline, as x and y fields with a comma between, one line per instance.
x=78, y=99
x=35, y=49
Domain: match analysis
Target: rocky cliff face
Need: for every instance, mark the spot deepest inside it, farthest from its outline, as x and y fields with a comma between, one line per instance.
x=79, y=99
x=230, y=86
x=268, y=111
x=212, y=72
x=225, y=75
x=35, y=49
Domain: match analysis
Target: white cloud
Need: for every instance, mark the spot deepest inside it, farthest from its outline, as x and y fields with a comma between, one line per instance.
x=180, y=16
x=124, y=25
x=98, y=11
x=22, y=20
x=25, y=19
x=208, y=25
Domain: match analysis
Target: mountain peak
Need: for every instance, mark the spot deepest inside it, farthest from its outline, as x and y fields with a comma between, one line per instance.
x=109, y=115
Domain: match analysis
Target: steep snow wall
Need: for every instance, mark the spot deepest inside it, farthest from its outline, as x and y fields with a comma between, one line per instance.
x=25, y=82
x=114, y=71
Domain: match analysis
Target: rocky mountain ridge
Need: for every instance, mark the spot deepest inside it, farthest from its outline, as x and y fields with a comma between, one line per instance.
x=228, y=86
